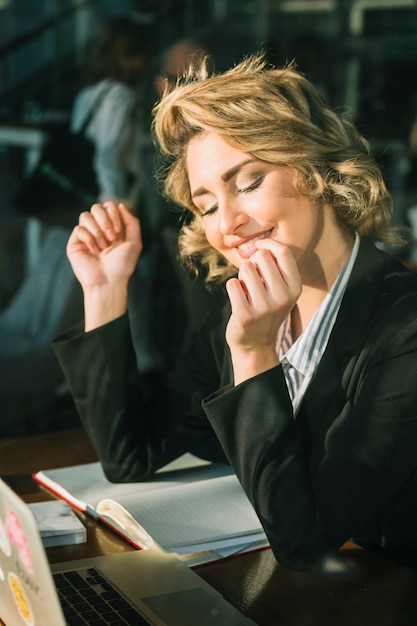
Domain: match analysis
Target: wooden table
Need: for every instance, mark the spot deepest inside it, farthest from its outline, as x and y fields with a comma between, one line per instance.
x=379, y=593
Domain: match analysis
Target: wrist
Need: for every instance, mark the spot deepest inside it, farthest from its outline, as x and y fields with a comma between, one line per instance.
x=250, y=363
x=103, y=304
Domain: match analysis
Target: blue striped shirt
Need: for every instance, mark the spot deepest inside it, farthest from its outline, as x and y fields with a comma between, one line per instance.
x=300, y=359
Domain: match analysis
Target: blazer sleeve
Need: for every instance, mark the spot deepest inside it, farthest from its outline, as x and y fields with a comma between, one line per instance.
x=315, y=485
x=134, y=432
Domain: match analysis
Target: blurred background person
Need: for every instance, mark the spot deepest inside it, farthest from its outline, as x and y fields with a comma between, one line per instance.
x=108, y=110
x=116, y=67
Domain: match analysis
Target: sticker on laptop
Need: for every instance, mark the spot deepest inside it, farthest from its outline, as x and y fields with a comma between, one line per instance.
x=18, y=537
x=4, y=541
x=21, y=600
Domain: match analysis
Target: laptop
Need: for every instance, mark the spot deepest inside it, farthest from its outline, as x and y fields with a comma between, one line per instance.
x=142, y=587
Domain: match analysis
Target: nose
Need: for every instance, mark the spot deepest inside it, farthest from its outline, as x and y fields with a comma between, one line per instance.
x=231, y=216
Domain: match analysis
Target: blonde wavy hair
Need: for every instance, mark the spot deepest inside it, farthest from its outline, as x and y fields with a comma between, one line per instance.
x=278, y=116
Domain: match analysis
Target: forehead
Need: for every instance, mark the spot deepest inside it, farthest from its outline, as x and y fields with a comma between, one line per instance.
x=211, y=160
x=210, y=151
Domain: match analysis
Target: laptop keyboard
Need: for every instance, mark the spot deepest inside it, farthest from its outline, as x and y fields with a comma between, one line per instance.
x=87, y=598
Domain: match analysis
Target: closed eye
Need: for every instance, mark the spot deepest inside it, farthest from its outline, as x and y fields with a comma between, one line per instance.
x=209, y=211
x=255, y=185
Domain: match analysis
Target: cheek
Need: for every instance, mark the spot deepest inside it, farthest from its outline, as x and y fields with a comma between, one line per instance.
x=212, y=233
x=216, y=241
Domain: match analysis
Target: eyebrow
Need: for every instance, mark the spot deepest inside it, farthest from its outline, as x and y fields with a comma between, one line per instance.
x=228, y=175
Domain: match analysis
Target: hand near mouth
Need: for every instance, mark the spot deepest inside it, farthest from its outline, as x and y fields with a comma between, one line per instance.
x=266, y=289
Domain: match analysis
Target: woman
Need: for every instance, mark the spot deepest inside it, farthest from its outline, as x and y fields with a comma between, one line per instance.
x=108, y=105
x=306, y=379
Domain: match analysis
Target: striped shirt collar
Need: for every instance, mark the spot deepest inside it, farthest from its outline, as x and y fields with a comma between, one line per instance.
x=301, y=358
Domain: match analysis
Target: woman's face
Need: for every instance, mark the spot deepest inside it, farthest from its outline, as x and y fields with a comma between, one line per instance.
x=242, y=199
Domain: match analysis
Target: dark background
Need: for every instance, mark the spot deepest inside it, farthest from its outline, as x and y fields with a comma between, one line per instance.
x=361, y=53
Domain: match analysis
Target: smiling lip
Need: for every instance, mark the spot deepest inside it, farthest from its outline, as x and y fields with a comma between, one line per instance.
x=246, y=246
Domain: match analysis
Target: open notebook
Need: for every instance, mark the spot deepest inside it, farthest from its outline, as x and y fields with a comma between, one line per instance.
x=191, y=507
x=136, y=588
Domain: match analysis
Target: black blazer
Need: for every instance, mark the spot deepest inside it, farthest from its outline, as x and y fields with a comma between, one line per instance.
x=344, y=468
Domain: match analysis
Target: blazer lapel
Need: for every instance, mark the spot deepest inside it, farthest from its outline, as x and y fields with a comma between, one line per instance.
x=326, y=393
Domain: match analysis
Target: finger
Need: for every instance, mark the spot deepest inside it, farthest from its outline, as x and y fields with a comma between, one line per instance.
x=91, y=223
x=126, y=215
x=130, y=222
x=253, y=283
x=267, y=269
x=107, y=215
x=113, y=213
x=284, y=260
x=238, y=296
x=267, y=289
x=82, y=237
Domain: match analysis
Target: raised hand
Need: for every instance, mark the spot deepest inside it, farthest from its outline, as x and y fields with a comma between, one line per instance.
x=103, y=250
x=266, y=290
